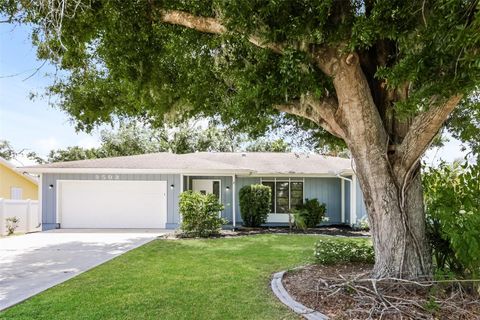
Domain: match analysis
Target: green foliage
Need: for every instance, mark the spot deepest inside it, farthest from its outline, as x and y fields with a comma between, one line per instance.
x=200, y=214
x=73, y=154
x=6, y=150
x=255, y=204
x=11, y=225
x=133, y=139
x=332, y=251
x=363, y=224
x=121, y=61
x=264, y=145
x=309, y=214
x=453, y=216
x=299, y=219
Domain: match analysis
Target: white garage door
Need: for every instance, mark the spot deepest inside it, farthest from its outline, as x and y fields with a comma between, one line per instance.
x=112, y=204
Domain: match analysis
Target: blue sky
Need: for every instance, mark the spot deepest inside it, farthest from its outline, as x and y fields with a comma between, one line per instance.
x=36, y=126
x=25, y=123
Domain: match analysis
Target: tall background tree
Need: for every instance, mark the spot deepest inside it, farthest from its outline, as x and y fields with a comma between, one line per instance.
x=381, y=77
x=136, y=138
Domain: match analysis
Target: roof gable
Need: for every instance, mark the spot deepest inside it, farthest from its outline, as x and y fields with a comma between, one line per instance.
x=15, y=170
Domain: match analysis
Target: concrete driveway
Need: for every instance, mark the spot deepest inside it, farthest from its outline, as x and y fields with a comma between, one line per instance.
x=34, y=262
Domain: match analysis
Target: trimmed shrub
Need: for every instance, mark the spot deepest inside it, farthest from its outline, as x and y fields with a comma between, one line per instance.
x=331, y=251
x=309, y=214
x=200, y=214
x=255, y=204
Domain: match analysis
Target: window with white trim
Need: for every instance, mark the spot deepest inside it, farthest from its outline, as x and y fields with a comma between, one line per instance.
x=16, y=193
x=287, y=194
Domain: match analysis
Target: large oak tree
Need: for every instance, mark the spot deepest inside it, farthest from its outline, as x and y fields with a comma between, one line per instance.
x=382, y=77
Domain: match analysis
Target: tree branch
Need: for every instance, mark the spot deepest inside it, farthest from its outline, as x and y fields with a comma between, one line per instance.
x=322, y=112
x=324, y=57
x=185, y=19
x=213, y=26
x=422, y=131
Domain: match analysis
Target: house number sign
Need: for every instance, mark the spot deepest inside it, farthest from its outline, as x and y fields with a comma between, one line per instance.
x=107, y=176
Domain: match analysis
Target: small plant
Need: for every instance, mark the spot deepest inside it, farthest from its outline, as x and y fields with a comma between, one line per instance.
x=363, y=224
x=12, y=225
x=200, y=214
x=299, y=219
x=330, y=251
x=255, y=204
x=309, y=214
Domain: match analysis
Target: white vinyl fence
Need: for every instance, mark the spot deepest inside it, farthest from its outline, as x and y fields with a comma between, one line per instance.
x=27, y=211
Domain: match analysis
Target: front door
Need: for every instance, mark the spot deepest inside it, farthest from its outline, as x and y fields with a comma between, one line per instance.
x=206, y=186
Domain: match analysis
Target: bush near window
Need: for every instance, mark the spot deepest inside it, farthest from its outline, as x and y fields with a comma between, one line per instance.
x=255, y=204
x=200, y=214
x=331, y=251
x=309, y=214
x=452, y=201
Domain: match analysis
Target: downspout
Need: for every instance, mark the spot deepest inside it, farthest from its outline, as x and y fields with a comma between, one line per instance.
x=344, y=178
x=353, y=204
x=234, y=203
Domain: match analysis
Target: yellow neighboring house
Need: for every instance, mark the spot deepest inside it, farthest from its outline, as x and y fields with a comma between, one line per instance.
x=14, y=184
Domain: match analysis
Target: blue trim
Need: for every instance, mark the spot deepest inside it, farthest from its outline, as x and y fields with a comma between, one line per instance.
x=50, y=226
x=171, y=226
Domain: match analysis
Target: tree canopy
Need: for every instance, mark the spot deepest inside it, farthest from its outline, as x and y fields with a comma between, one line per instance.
x=136, y=59
x=133, y=139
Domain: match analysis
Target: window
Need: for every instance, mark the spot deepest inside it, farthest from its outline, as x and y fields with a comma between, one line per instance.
x=216, y=188
x=286, y=195
x=296, y=197
x=16, y=193
x=271, y=184
x=282, y=195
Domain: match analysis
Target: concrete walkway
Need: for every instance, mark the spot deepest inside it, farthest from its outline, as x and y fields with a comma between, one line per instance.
x=34, y=262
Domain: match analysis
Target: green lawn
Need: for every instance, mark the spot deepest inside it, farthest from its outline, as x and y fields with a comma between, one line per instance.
x=178, y=279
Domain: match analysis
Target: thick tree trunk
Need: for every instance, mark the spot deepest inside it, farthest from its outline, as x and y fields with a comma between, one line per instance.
x=393, y=195
x=397, y=222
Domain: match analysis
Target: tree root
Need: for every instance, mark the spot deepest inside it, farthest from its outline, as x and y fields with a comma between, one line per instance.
x=392, y=298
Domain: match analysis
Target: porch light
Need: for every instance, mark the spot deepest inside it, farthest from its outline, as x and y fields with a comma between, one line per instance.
x=50, y=186
x=227, y=188
x=172, y=186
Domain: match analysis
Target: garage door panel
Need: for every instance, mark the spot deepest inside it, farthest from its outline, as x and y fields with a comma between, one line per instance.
x=112, y=204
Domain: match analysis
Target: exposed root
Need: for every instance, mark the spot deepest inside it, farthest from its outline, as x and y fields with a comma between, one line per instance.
x=391, y=298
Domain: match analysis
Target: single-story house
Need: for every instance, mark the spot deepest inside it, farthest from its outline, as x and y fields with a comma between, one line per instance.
x=14, y=184
x=142, y=191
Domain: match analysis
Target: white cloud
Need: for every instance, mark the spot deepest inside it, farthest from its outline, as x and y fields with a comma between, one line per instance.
x=45, y=145
x=21, y=161
x=89, y=142
x=451, y=151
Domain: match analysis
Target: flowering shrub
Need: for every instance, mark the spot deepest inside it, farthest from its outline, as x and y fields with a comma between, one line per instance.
x=330, y=251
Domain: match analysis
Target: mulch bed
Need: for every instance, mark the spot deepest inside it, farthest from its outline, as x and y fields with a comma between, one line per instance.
x=347, y=292
x=343, y=231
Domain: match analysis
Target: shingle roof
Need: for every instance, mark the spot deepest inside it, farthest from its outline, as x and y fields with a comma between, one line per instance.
x=252, y=162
